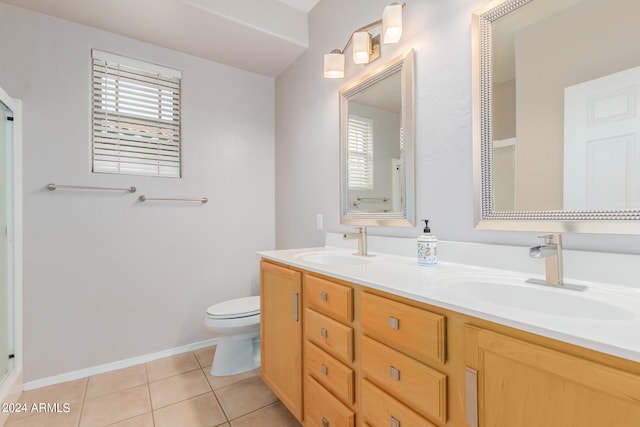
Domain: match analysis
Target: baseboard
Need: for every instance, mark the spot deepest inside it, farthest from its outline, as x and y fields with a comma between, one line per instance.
x=107, y=367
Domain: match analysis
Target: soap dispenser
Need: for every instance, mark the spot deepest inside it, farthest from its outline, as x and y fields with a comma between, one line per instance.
x=427, y=246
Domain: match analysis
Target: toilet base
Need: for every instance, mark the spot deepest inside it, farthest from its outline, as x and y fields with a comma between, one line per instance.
x=236, y=354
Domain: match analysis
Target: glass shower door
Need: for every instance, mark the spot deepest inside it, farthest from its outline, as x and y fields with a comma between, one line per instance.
x=6, y=305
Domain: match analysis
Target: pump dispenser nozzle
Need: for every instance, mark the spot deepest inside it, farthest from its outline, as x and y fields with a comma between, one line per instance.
x=426, y=226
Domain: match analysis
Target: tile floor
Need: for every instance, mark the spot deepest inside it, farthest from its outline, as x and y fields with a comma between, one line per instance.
x=176, y=391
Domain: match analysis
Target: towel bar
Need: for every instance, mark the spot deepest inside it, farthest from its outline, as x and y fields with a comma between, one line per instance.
x=52, y=187
x=144, y=198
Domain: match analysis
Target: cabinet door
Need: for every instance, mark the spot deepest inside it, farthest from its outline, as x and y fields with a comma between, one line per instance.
x=520, y=384
x=281, y=334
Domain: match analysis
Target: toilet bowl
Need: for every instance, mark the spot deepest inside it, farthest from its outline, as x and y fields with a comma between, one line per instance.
x=236, y=323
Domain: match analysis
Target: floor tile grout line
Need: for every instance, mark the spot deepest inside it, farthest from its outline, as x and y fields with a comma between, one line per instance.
x=146, y=374
x=172, y=375
x=180, y=401
x=114, y=392
x=219, y=403
x=275, y=402
x=237, y=382
x=130, y=418
x=84, y=398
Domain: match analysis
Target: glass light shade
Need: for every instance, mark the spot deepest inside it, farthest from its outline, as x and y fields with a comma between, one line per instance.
x=392, y=23
x=361, y=47
x=333, y=66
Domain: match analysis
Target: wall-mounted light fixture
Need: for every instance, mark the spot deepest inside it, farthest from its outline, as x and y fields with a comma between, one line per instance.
x=366, y=47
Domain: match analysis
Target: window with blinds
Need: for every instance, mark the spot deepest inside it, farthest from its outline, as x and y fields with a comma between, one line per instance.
x=136, y=117
x=360, y=158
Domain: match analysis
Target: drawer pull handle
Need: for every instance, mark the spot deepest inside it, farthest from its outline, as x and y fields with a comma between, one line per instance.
x=394, y=373
x=295, y=307
x=323, y=333
x=324, y=370
x=394, y=422
x=324, y=296
x=325, y=422
x=394, y=323
x=471, y=396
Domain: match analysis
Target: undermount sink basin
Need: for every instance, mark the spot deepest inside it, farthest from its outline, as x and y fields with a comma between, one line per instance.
x=515, y=293
x=332, y=258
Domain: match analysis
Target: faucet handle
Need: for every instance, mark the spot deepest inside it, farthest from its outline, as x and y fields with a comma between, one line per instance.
x=552, y=238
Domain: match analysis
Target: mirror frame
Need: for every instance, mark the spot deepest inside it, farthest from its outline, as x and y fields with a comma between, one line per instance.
x=486, y=217
x=406, y=218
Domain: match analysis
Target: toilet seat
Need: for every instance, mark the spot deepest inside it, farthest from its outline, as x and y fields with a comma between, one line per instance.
x=235, y=308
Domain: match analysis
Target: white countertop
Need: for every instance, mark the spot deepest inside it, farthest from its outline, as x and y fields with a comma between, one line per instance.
x=604, y=318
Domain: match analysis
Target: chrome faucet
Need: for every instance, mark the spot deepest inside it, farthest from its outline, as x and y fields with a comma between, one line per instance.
x=361, y=235
x=551, y=251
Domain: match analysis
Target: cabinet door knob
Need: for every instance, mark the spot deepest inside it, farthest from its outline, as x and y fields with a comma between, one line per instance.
x=394, y=422
x=323, y=332
x=324, y=296
x=394, y=323
x=394, y=373
x=324, y=370
x=325, y=422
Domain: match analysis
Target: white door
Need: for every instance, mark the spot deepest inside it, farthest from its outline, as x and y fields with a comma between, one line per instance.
x=602, y=143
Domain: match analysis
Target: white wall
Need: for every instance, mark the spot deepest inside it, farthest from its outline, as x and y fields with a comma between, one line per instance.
x=107, y=277
x=307, y=172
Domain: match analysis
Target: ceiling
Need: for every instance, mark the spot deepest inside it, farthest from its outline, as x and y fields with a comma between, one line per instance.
x=261, y=36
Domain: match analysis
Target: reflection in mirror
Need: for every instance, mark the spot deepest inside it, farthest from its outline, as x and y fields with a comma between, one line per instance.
x=558, y=98
x=376, y=143
x=373, y=138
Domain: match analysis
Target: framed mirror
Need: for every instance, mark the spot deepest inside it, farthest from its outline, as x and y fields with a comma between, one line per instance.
x=377, y=163
x=556, y=116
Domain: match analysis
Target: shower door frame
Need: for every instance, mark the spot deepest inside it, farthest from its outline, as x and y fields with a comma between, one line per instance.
x=12, y=384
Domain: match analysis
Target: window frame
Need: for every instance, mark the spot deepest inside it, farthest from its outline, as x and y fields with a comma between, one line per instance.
x=135, y=117
x=360, y=161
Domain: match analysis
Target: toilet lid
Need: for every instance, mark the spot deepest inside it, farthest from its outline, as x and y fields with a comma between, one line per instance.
x=232, y=309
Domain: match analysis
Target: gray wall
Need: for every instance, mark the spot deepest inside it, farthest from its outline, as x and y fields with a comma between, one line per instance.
x=107, y=277
x=307, y=144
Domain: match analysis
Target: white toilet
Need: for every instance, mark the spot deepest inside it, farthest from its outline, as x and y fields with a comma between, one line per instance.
x=237, y=324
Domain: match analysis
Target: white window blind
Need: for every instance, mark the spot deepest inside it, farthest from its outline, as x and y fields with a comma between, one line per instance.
x=360, y=159
x=136, y=117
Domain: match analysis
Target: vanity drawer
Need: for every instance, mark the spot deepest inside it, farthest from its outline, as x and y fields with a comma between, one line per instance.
x=329, y=372
x=329, y=334
x=381, y=410
x=414, y=331
x=322, y=409
x=332, y=299
x=420, y=387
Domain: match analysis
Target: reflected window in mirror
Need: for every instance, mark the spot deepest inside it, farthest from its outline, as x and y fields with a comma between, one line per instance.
x=360, y=135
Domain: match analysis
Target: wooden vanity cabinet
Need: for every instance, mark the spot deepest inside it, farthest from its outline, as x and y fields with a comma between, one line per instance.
x=516, y=383
x=368, y=358
x=281, y=333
